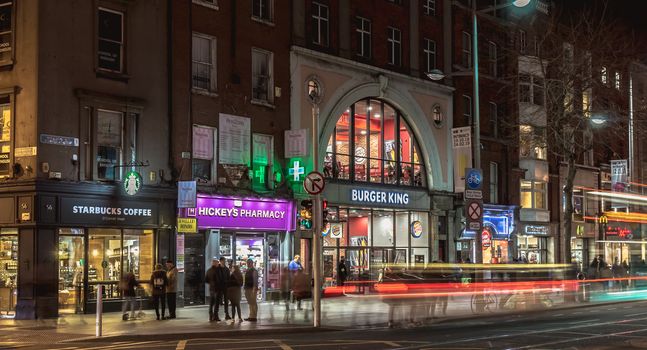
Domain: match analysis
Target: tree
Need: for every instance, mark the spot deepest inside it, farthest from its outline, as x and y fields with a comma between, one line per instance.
x=578, y=76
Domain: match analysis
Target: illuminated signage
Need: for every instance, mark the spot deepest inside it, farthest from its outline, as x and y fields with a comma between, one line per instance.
x=253, y=214
x=416, y=229
x=618, y=232
x=187, y=225
x=536, y=230
x=486, y=239
x=379, y=197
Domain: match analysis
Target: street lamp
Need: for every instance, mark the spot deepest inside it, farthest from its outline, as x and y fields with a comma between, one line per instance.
x=438, y=75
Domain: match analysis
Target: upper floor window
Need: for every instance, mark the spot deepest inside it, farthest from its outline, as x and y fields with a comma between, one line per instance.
x=523, y=44
x=533, y=194
x=492, y=59
x=616, y=81
x=531, y=89
x=6, y=30
x=467, y=110
x=397, y=2
x=203, y=62
x=494, y=120
x=262, y=79
x=532, y=142
x=204, y=154
x=363, y=32
x=466, y=50
x=110, y=47
x=6, y=135
x=320, y=25
x=604, y=75
x=364, y=148
x=429, y=7
x=429, y=50
x=394, y=40
x=494, y=182
x=115, y=143
x=262, y=9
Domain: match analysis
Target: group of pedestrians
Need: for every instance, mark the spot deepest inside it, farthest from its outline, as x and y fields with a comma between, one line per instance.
x=163, y=290
x=225, y=288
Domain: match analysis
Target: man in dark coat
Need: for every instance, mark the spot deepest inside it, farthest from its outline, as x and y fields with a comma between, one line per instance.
x=342, y=271
x=222, y=277
x=210, y=278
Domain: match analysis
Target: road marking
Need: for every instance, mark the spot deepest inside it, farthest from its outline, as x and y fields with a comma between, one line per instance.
x=584, y=321
x=283, y=345
x=638, y=314
x=580, y=339
x=181, y=345
x=390, y=343
x=612, y=308
x=557, y=315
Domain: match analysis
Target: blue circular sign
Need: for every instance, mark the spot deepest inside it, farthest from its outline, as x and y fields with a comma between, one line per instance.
x=473, y=179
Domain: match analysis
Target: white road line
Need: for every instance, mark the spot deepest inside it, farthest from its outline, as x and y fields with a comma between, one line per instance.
x=558, y=315
x=584, y=321
x=579, y=339
x=283, y=345
x=181, y=345
x=638, y=314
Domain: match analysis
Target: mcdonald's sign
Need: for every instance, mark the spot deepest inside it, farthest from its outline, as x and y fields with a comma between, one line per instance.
x=603, y=219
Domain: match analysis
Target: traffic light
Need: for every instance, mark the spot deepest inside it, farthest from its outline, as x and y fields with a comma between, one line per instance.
x=324, y=213
x=305, y=214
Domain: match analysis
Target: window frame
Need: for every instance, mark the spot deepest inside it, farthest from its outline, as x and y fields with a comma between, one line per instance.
x=363, y=36
x=270, y=77
x=523, y=41
x=494, y=119
x=213, y=65
x=533, y=193
x=214, y=158
x=467, y=112
x=318, y=20
x=617, y=80
x=122, y=53
x=12, y=34
x=466, y=50
x=394, y=46
x=213, y=4
x=429, y=7
x=269, y=5
x=535, y=85
x=494, y=182
x=429, y=54
x=493, y=59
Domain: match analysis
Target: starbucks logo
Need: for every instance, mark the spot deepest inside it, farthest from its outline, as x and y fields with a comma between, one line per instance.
x=132, y=183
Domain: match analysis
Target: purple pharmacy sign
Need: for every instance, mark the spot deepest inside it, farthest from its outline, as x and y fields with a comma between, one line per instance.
x=244, y=213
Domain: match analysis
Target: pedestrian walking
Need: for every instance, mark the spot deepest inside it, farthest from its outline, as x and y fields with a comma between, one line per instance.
x=159, y=283
x=234, y=285
x=171, y=288
x=222, y=277
x=127, y=285
x=210, y=279
x=295, y=264
x=342, y=271
x=251, y=290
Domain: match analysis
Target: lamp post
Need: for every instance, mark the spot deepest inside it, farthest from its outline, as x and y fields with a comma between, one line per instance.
x=314, y=96
x=436, y=74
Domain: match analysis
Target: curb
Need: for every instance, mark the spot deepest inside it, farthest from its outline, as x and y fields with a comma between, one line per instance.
x=206, y=334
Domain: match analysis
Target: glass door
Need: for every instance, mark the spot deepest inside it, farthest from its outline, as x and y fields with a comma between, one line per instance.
x=252, y=246
x=71, y=269
x=194, y=268
x=8, y=271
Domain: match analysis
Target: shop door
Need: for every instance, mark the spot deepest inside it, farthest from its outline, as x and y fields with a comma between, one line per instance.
x=252, y=246
x=194, y=269
x=8, y=273
x=358, y=261
x=380, y=259
x=71, y=269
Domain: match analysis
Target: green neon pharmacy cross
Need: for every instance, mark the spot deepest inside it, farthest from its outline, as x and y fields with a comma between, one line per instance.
x=296, y=171
x=260, y=174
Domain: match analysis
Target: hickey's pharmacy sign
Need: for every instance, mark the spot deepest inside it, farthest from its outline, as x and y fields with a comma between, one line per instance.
x=250, y=213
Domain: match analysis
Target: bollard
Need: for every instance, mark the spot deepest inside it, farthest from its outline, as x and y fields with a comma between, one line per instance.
x=99, y=310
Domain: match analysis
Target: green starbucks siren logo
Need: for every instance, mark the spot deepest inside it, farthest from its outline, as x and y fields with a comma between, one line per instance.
x=132, y=183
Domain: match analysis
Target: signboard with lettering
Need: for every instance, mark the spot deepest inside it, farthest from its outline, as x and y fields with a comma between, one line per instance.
x=186, y=194
x=187, y=225
x=250, y=214
x=536, y=230
x=91, y=211
x=296, y=143
x=6, y=9
x=392, y=198
x=618, y=232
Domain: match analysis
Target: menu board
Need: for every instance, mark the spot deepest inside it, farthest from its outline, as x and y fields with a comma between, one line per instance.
x=234, y=141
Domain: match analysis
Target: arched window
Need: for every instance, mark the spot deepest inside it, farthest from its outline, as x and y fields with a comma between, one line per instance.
x=363, y=147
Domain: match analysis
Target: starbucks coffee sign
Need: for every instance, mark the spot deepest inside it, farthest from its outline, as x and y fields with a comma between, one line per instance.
x=132, y=183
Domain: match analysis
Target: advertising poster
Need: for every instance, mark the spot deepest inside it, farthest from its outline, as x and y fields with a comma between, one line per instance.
x=296, y=143
x=203, y=142
x=462, y=151
x=263, y=146
x=234, y=141
x=619, y=175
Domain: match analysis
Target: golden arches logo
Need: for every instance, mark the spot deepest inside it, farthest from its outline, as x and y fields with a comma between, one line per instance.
x=603, y=219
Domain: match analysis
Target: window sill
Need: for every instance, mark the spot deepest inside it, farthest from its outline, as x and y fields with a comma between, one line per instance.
x=206, y=4
x=112, y=75
x=203, y=92
x=263, y=21
x=6, y=65
x=263, y=103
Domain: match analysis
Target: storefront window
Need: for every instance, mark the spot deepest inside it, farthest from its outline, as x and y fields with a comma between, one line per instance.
x=532, y=249
x=402, y=228
x=71, y=265
x=138, y=253
x=374, y=142
x=358, y=227
x=422, y=239
x=8, y=269
x=382, y=229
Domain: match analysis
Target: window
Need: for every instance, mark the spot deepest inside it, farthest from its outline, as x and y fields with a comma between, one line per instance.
x=110, y=48
x=537, y=46
x=578, y=204
x=532, y=142
x=492, y=59
x=395, y=46
x=203, y=59
x=467, y=110
x=6, y=30
x=533, y=194
x=363, y=147
x=397, y=2
x=522, y=41
x=616, y=81
x=531, y=89
x=494, y=120
x=363, y=32
x=429, y=50
x=109, y=143
x=320, y=24
x=262, y=83
x=208, y=3
x=604, y=75
x=494, y=183
x=6, y=135
x=429, y=7
x=466, y=56
x=262, y=9
x=204, y=161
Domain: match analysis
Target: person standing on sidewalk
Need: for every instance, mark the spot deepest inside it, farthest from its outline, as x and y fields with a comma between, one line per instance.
x=251, y=290
x=171, y=289
x=128, y=285
x=159, y=283
x=342, y=271
x=210, y=278
x=295, y=264
x=234, y=285
x=222, y=277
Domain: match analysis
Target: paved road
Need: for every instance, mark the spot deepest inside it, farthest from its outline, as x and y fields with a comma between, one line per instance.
x=616, y=326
